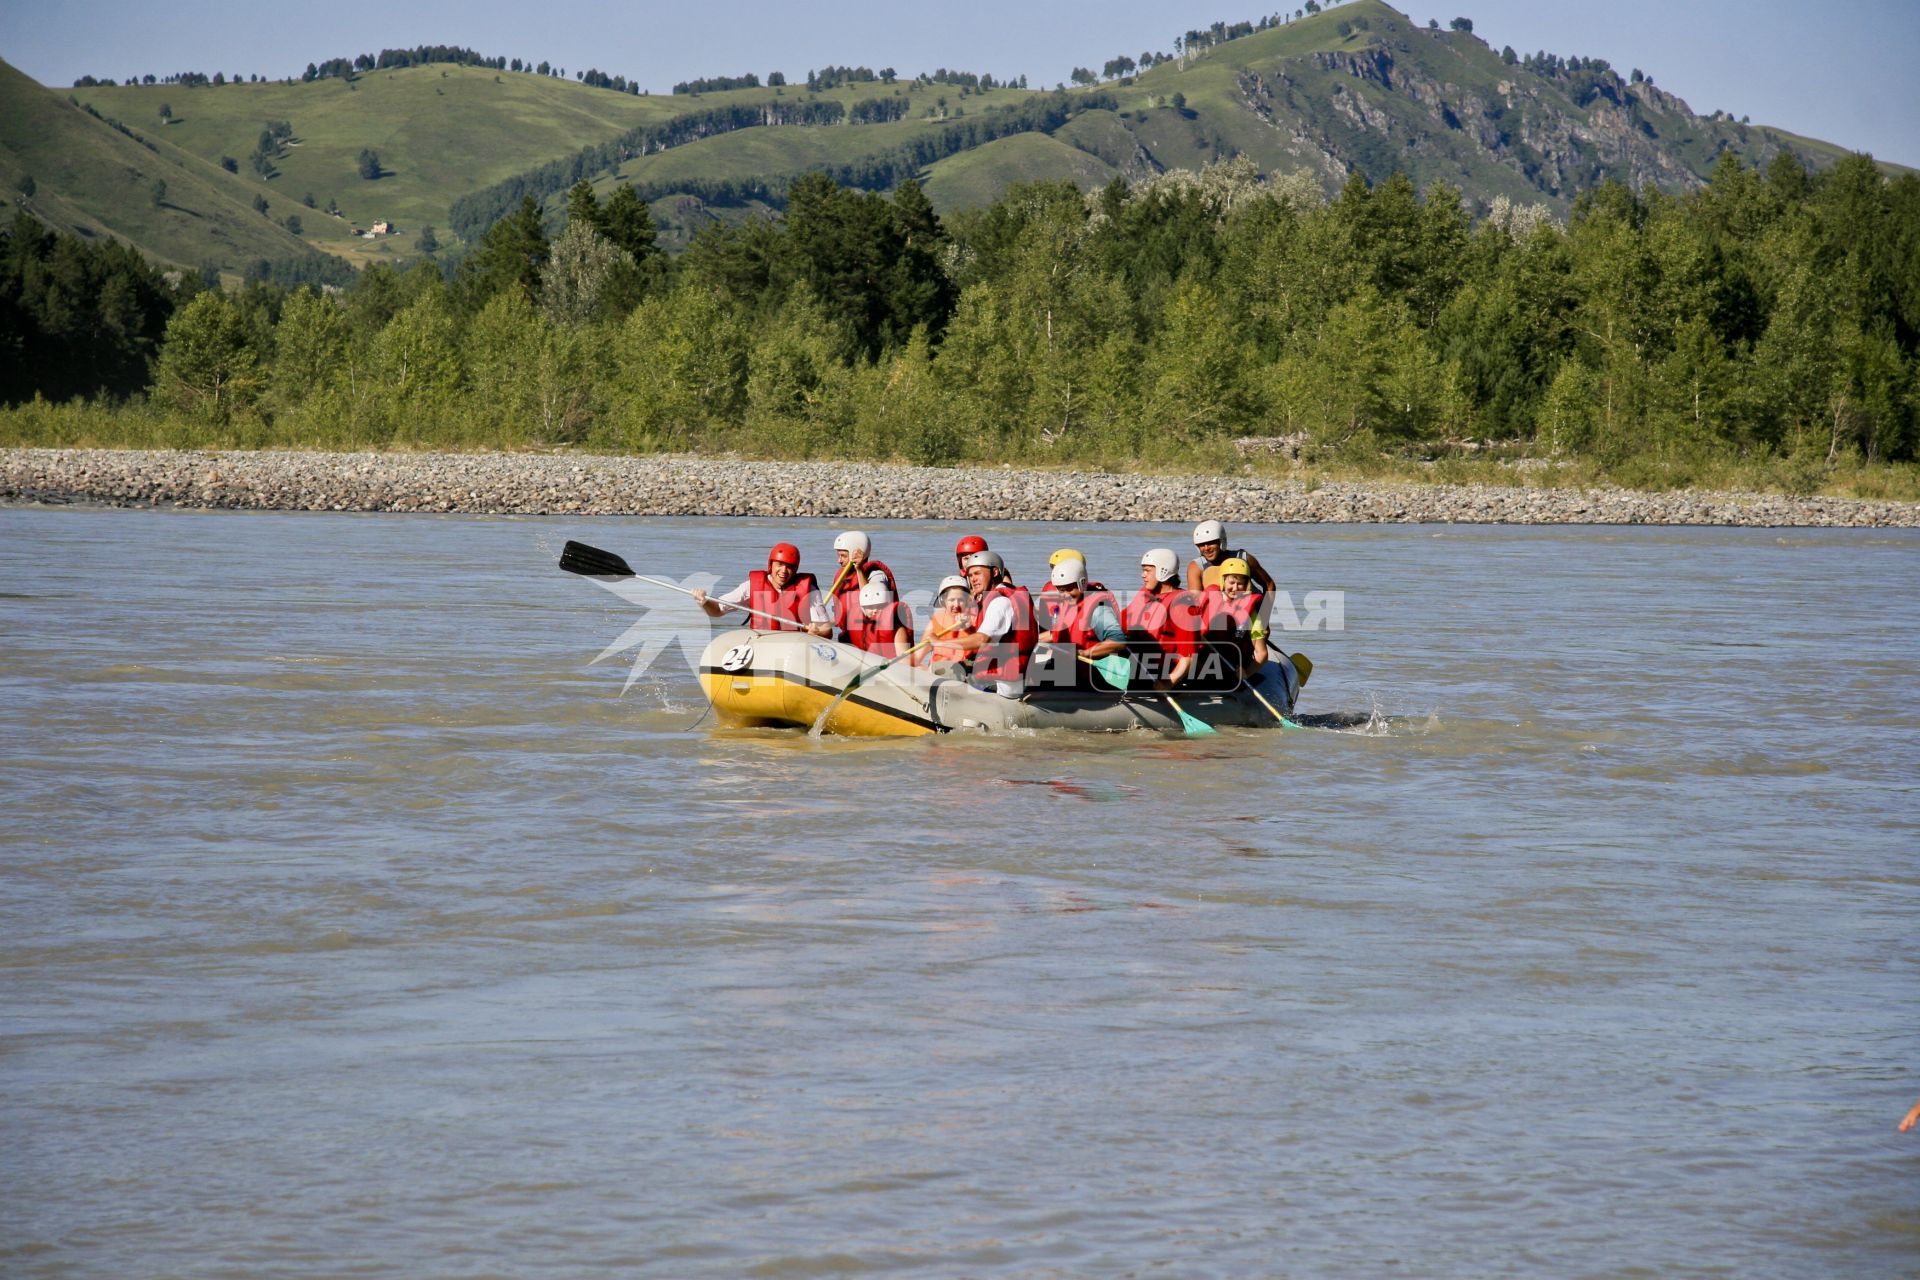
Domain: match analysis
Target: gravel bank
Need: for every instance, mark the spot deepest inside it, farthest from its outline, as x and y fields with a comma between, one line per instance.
x=549, y=484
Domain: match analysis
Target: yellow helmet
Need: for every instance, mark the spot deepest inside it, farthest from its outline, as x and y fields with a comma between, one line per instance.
x=1064, y=553
x=1234, y=564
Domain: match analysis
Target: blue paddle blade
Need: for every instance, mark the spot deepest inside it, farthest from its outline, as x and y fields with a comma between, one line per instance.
x=1195, y=728
x=1116, y=669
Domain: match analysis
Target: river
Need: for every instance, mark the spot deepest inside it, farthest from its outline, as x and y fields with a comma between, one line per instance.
x=354, y=923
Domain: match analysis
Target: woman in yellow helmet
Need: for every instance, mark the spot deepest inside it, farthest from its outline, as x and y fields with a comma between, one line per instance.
x=1232, y=613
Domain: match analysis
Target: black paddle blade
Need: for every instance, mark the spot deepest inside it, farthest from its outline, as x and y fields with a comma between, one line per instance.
x=592, y=562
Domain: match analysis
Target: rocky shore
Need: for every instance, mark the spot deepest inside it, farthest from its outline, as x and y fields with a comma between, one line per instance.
x=552, y=484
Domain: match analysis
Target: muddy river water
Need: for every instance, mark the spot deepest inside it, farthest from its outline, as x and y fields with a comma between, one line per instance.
x=354, y=922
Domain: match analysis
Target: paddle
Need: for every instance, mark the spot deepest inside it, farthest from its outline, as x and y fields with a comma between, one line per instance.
x=1195, y=727
x=1284, y=722
x=1114, y=666
x=1303, y=667
x=860, y=679
x=592, y=562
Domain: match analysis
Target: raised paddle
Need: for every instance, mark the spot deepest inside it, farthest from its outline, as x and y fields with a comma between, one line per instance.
x=592, y=562
x=861, y=678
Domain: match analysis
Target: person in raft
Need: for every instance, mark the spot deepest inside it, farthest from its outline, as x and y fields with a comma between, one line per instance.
x=953, y=614
x=1210, y=540
x=880, y=624
x=1231, y=613
x=779, y=595
x=1003, y=642
x=855, y=567
x=1086, y=617
x=1162, y=622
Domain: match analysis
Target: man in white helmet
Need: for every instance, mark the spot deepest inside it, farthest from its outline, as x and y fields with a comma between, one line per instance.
x=1210, y=540
x=1004, y=634
x=1086, y=617
x=1163, y=622
x=855, y=568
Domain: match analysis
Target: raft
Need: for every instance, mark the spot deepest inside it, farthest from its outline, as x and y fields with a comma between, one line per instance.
x=787, y=678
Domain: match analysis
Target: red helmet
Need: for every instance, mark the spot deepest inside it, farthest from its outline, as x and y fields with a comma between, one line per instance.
x=968, y=545
x=784, y=553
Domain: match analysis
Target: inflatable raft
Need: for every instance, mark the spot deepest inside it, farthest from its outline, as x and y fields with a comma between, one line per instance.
x=789, y=677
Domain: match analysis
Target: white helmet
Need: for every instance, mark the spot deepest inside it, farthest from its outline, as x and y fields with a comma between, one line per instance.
x=1205, y=531
x=852, y=542
x=948, y=583
x=876, y=594
x=1069, y=571
x=1165, y=563
x=991, y=559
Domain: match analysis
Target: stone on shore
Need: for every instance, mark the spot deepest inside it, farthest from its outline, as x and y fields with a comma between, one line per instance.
x=679, y=485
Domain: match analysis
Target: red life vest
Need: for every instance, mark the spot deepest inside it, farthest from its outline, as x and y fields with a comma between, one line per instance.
x=1074, y=622
x=1234, y=616
x=786, y=606
x=1171, y=619
x=851, y=583
x=1006, y=658
x=878, y=636
x=1232, y=620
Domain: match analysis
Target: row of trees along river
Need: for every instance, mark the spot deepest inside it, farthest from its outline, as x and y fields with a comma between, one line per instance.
x=1768, y=318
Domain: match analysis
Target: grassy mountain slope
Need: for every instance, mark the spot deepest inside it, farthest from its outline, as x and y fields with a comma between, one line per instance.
x=1359, y=87
x=93, y=180
x=978, y=176
x=439, y=131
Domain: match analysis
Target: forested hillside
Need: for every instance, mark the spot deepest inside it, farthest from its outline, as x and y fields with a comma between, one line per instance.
x=1768, y=319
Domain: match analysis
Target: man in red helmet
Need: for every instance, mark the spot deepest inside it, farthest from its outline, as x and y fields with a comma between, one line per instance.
x=780, y=597
x=967, y=546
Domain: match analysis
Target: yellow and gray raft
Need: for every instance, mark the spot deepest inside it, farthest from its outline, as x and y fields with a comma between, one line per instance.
x=787, y=678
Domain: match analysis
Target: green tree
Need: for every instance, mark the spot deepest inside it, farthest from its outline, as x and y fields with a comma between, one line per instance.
x=166, y=113
x=582, y=207
x=580, y=268
x=157, y=193
x=512, y=254
x=310, y=349
x=208, y=367
x=429, y=242
x=260, y=205
x=419, y=358
x=368, y=164
x=293, y=224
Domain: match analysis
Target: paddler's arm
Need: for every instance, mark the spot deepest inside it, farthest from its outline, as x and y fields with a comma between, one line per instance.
x=1196, y=575
x=714, y=607
x=821, y=623
x=1265, y=582
x=1912, y=1118
x=1109, y=637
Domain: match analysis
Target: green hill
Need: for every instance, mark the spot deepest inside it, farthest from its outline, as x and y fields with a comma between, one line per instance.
x=1359, y=87
x=95, y=180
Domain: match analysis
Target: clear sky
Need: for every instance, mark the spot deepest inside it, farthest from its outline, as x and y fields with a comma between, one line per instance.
x=1842, y=70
